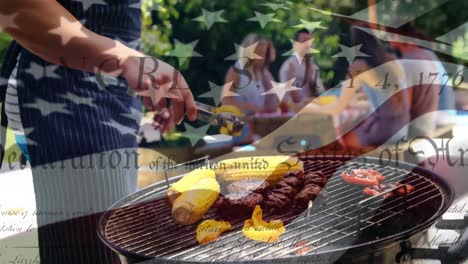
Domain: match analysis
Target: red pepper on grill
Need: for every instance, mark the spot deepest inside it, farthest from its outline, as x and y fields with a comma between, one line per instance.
x=371, y=191
x=364, y=177
x=378, y=189
x=376, y=174
x=401, y=191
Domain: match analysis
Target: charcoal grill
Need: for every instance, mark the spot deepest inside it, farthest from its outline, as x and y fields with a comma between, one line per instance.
x=348, y=228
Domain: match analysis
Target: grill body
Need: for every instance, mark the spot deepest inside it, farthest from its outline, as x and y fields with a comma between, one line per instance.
x=347, y=228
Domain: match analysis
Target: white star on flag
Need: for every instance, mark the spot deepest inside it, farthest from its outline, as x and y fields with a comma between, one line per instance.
x=79, y=100
x=123, y=130
x=87, y=4
x=263, y=19
x=280, y=89
x=196, y=134
x=157, y=93
x=7, y=21
x=47, y=108
x=134, y=114
x=310, y=26
x=39, y=71
x=350, y=53
x=274, y=6
x=183, y=51
x=210, y=18
x=217, y=92
x=162, y=91
x=244, y=54
x=27, y=132
x=74, y=26
x=300, y=50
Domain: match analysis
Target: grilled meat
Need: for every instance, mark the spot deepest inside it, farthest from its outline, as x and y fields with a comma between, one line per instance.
x=296, y=174
x=296, y=189
x=317, y=178
x=308, y=193
x=238, y=205
x=258, y=186
x=288, y=191
x=281, y=196
x=292, y=182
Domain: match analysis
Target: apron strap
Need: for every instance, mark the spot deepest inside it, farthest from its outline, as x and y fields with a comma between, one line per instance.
x=9, y=64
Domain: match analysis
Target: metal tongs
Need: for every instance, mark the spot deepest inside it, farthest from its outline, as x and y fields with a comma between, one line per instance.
x=206, y=113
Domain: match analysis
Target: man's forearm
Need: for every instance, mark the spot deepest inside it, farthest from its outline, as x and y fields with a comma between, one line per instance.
x=48, y=30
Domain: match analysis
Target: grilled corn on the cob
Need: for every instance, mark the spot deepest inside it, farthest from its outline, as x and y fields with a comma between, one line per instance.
x=192, y=204
x=188, y=181
x=273, y=170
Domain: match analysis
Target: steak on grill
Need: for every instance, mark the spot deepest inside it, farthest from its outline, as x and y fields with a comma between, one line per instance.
x=238, y=205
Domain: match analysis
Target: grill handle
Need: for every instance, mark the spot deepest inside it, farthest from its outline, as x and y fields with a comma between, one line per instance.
x=380, y=195
x=455, y=252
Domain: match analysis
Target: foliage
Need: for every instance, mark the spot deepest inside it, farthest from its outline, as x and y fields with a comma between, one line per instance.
x=460, y=47
x=4, y=42
x=173, y=19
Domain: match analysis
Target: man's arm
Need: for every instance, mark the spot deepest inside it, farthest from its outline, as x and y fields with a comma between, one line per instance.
x=48, y=30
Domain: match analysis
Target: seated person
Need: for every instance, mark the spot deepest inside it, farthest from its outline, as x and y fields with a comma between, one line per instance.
x=306, y=71
x=428, y=98
x=389, y=107
x=250, y=81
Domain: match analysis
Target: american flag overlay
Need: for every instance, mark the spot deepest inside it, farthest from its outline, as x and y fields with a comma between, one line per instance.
x=100, y=99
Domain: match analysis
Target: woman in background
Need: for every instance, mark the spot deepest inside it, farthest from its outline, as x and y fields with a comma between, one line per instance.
x=250, y=81
x=381, y=81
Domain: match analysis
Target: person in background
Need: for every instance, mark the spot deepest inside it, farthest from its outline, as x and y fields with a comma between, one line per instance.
x=426, y=99
x=306, y=72
x=389, y=109
x=272, y=103
x=250, y=81
x=71, y=96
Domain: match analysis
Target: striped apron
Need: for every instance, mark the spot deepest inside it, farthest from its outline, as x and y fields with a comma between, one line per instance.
x=78, y=132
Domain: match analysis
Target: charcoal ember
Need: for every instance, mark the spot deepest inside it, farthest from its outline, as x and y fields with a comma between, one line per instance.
x=316, y=178
x=258, y=186
x=308, y=193
x=238, y=205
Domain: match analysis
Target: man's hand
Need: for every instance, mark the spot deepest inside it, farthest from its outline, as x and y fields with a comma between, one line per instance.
x=76, y=47
x=163, y=88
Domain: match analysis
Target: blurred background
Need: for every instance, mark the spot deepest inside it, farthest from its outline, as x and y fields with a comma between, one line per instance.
x=165, y=21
